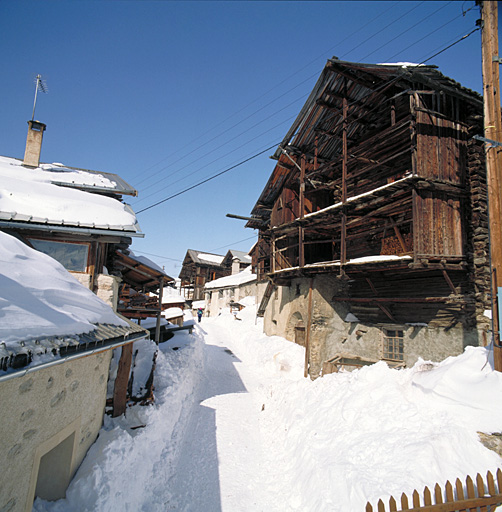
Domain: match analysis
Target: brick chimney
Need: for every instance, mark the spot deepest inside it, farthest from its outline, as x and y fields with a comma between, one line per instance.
x=33, y=143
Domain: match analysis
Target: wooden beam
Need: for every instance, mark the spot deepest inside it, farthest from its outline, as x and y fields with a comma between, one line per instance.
x=301, y=235
x=403, y=300
x=381, y=306
x=449, y=281
x=309, y=323
x=121, y=381
x=398, y=234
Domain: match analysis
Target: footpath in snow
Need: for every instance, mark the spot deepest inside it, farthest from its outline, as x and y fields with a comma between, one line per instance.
x=236, y=427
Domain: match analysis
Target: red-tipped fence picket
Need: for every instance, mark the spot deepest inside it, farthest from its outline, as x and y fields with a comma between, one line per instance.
x=472, y=496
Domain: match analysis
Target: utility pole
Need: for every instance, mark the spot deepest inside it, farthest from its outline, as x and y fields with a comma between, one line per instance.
x=493, y=131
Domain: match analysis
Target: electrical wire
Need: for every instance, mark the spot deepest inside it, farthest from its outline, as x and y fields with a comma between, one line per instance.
x=233, y=243
x=216, y=160
x=282, y=95
x=157, y=255
x=205, y=155
x=404, y=32
x=210, y=130
x=274, y=145
x=208, y=179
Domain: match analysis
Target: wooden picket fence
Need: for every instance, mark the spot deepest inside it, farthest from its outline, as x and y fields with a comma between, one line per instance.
x=479, y=497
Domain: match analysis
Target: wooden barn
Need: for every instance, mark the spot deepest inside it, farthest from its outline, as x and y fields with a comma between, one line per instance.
x=201, y=267
x=373, y=228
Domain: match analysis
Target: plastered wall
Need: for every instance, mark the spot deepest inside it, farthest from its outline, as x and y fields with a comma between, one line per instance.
x=331, y=334
x=39, y=411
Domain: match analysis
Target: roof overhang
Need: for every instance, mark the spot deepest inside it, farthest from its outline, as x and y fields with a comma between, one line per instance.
x=68, y=229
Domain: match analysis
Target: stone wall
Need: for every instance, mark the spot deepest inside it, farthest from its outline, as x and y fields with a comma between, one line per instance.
x=217, y=299
x=333, y=332
x=42, y=409
x=107, y=286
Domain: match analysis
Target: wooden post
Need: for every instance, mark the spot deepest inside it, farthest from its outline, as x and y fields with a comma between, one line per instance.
x=273, y=254
x=121, y=380
x=301, y=234
x=309, y=322
x=493, y=131
x=159, y=313
x=316, y=150
x=343, y=230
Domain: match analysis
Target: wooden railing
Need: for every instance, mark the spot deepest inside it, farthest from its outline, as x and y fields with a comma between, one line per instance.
x=479, y=497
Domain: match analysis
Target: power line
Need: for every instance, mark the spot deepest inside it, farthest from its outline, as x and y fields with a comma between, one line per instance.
x=208, y=179
x=280, y=96
x=405, y=31
x=156, y=256
x=274, y=145
x=453, y=44
x=261, y=96
x=232, y=139
x=233, y=243
x=429, y=34
x=216, y=160
x=384, y=28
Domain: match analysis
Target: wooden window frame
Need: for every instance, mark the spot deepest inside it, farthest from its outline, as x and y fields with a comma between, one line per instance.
x=88, y=263
x=393, y=344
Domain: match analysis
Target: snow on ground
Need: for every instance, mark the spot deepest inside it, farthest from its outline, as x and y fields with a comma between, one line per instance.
x=236, y=427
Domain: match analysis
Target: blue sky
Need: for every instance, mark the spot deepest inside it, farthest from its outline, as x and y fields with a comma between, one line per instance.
x=168, y=93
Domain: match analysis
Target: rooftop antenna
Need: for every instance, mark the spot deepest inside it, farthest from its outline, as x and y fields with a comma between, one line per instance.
x=40, y=84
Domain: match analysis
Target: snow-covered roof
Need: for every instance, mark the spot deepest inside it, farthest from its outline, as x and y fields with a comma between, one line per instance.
x=44, y=306
x=210, y=258
x=145, y=261
x=44, y=196
x=170, y=313
x=240, y=255
x=205, y=258
x=243, y=277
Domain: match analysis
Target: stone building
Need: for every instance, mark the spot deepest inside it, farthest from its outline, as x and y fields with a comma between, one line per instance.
x=373, y=230
x=56, y=343
x=59, y=226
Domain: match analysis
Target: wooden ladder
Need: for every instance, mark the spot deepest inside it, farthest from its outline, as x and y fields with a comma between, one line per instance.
x=266, y=297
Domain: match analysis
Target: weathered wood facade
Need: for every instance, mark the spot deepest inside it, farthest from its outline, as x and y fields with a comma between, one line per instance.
x=201, y=267
x=380, y=183
x=198, y=269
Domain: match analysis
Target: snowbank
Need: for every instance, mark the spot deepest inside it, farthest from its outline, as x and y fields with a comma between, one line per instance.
x=38, y=297
x=134, y=456
x=329, y=445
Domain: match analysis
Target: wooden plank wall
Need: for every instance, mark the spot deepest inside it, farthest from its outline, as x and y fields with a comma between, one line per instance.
x=441, y=144
x=438, y=224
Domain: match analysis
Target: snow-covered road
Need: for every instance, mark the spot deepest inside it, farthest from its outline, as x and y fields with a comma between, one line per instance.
x=236, y=428
x=221, y=466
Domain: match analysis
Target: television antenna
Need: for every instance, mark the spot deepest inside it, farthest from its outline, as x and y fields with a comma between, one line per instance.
x=42, y=85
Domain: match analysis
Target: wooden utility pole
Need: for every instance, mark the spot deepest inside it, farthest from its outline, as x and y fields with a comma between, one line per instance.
x=493, y=132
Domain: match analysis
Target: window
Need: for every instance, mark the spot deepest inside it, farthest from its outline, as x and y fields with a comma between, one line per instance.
x=72, y=256
x=393, y=345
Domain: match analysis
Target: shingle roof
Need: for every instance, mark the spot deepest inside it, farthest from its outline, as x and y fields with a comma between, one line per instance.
x=18, y=355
